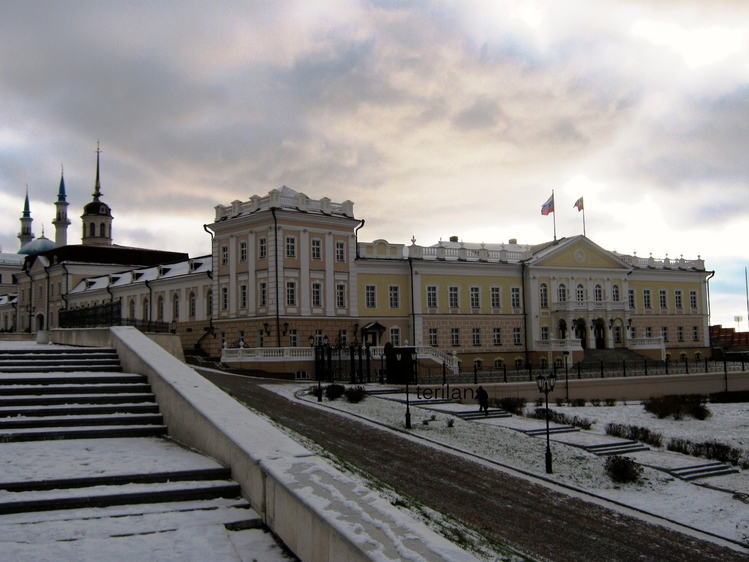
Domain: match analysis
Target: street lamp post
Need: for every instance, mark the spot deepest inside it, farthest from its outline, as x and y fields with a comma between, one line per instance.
x=546, y=385
x=408, y=404
x=566, y=377
x=317, y=368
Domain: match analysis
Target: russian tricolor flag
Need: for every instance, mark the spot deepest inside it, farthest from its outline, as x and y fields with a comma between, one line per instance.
x=548, y=207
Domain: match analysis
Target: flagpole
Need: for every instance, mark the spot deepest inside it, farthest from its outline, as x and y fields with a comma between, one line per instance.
x=555, y=215
x=584, y=220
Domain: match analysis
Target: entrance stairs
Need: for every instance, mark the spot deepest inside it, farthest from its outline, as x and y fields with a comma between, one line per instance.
x=703, y=471
x=617, y=355
x=616, y=448
x=492, y=413
x=85, y=455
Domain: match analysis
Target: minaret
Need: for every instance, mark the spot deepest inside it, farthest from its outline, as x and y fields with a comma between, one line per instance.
x=97, y=217
x=61, y=221
x=26, y=236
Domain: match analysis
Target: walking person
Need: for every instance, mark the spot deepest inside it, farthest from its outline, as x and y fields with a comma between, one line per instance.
x=482, y=397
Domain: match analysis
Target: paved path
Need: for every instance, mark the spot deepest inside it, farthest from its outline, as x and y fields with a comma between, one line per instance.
x=530, y=518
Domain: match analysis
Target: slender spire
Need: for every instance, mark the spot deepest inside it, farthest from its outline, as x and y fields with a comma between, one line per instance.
x=97, y=186
x=61, y=196
x=26, y=209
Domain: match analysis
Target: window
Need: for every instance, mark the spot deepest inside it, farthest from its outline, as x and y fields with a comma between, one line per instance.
x=224, y=255
x=316, y=294
x=293, y=338
x=544, y=363
x=262, y=248
x=51, y=286
x=615, y=293
x=260, y=338
x=431, y=296
x=224, y=298
x=562, y=292
x=340, y=296
x=319, y=335
x=92, y=229
x=102, y=230
x=343, y=337
x=290, y=293
x=678, y=300
x=648, y=332
x=209, y=302
x=243, y=251
x=499, y=364
x=617, y=334
x=516, y=336
x=262, y=294
x=370, y=296
x=433, y=337
x=340, y=251
x=580, y=293
x=495, y=297
x=455, y=336
x=646, y=298
x=597, y=293
x=290, y=247
x=394, y=292
x=131, y=308
x=518, y=363
x=515, y=297
x=452, y=294
x=475, y=300
x=316, y=249
x=160, y=308
x=476, y=335
x=243, y=296
x=679, y=333
x=544, y=333
x=695, y=333
x=478, y=364
x=497, y=336
x=175, y=306
x=193, y=305
x=395, y=336
x=664, y=333
x=631, y=297
x=693, y=300
x=662, y=298
x=543, y=293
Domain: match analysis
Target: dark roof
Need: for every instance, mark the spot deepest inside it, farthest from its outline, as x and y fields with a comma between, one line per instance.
x=120, y=255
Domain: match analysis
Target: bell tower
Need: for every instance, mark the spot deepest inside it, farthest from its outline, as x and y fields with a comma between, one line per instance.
x=97, y=216
x=61, y=221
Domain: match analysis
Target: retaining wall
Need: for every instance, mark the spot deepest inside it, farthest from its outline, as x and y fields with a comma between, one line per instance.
x=318, y=512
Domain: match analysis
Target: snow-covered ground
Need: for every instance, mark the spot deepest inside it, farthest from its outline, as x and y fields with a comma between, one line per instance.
x=720, y=513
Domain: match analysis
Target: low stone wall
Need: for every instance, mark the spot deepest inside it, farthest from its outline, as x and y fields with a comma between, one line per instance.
x=319, y=513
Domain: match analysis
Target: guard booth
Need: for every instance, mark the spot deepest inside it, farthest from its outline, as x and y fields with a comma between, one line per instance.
x=400, y=363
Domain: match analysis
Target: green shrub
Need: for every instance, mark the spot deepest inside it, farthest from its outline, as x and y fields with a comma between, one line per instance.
x=595, y=402
x=334, y=391
x=578, y=402
x=512, y=405
x=677, y=407
x=355, y=394
x=623, y=469
x=712, y=450
x=560, y=402
x=611, y=401
x=635, y=433
x=562, y=419
x=539, y=402
x=314, y=391
x=450, y=422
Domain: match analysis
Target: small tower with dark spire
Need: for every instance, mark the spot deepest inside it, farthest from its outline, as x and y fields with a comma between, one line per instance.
x=61, y=221
x=26, y=236
x=97, y=216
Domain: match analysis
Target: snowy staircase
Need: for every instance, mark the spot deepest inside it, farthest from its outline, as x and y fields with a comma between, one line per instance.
x=616, y=448
x=704, y=470
x=553, y=430
x=492, y=413
x=53, y=359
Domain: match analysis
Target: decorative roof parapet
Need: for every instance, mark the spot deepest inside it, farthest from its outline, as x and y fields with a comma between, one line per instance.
x=285, y=198
x=665, y=263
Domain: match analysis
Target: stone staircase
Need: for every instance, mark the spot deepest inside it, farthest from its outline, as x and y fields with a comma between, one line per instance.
x=616, y=448
x=492, y=413
x=704, y=470
x=77, y=434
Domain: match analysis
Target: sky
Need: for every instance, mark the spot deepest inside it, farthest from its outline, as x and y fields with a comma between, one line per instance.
x=435, y=118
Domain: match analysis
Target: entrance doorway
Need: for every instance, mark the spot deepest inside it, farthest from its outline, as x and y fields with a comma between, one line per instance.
x=599, y=332
x=581, y=332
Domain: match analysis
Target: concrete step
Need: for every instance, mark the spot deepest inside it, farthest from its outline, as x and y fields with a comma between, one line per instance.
x=492, y=413
x=60, y=389
x=79, y=410
x=71, y=379
x=104, y=496
x=74, y=368
x=618, y=448
x=28, y=422
x=206, y=474
x=703, y=471
x=552, y=430
x=55, y=399
x=94, y=432
x=55, y=350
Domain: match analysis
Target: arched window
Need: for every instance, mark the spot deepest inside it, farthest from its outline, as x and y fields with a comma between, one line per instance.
x=697, y=355
x=478, y=363
x=132, y=308
x=175, y=306
x=193, y=305
x=209, y=303
x=544, y=363
x=562, y=292
x=543, y=291
x=499, y=363
x=518, y=363
x=615, y=293
x=102, y=230
x=160, y=308
x=92, y=229
x=559, y=362
x=146, y=310
x=598, y=293
x=580, y=293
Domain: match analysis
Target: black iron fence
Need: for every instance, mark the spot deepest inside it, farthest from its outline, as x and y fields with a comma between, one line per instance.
x=107, y=314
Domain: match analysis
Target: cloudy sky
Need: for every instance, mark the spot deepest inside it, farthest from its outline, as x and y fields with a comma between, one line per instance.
x=436, y=118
